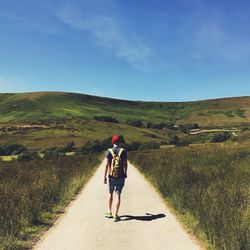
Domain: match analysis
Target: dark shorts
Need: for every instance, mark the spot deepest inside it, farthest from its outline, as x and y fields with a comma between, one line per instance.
x=116, y=184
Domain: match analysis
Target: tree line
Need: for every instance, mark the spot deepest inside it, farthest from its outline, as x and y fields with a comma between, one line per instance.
x=95, y=146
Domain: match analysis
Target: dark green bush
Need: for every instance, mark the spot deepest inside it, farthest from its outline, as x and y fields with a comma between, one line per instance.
x=155, y=125
x=92, y=146
x=28, y=155
x=185, y=128
x=177, y=142
x=51, y=154
x=135, y=123
x=169, y=125
x=240, y=113
x=220, y=137
x=10, y=149
x=174, y=141
x=99, y=146
x=132, y=146
x=54, y=152
x=245, y=129
x=106, y=119
x=70, y=147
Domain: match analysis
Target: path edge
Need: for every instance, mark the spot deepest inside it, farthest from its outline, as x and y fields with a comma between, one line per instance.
x=203, y=243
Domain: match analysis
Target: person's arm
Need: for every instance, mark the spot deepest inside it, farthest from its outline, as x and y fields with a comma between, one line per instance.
x=106, y=171
x=125, y=167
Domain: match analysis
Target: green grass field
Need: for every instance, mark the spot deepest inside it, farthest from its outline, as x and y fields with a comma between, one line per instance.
x=50, y=105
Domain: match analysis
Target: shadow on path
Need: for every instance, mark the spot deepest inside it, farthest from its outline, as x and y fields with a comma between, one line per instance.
x=147, y=217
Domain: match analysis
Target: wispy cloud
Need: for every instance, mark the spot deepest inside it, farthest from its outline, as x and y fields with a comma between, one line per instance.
x=27, y=22
x=215, y=39
x=109, y=33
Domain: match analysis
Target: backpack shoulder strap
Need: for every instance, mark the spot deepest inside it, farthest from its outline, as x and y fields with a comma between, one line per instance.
x=112, y=152
x=120, y=152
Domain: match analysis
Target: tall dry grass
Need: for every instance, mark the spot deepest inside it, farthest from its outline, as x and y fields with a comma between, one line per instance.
x=28, y=189
x=212, y=183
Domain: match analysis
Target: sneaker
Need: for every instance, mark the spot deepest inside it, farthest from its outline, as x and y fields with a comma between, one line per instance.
x=117, y=218
x=109, y=215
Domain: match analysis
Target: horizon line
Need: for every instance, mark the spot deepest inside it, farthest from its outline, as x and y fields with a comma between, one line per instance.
x=129, y=100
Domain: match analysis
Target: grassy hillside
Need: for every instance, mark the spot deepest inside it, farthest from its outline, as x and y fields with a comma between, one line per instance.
x=67, y=117
x=50, y=105
x=18, y=107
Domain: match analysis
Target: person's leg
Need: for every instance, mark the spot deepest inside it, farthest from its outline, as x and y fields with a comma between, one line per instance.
x=118, y=202
x=108, y=214
x=118, y=191
x=110, y=201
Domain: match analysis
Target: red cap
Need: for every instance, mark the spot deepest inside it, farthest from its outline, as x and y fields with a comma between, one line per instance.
x=115, y=139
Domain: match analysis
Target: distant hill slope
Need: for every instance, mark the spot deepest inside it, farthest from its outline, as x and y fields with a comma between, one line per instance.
x=51, y=105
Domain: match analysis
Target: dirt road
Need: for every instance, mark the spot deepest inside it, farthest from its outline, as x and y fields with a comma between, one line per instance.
x=146, y=222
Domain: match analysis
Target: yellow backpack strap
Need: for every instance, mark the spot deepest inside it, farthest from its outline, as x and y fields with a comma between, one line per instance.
x=112, y=152
x=120, y=152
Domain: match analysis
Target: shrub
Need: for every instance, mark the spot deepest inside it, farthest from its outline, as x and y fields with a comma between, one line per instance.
x=175, y=141
x=99, y=146
x=169, y=125
x=70, y=147
x=135, y=123
x=92, y=146
x=131, y=146
x=245, y=129
x=28, y=155
x=155, y=125
x=220, y=137
x=185, y=128
x=106, y=119
x=10, y=149
x=54, y=152
x=51, y=154
x=240, y=113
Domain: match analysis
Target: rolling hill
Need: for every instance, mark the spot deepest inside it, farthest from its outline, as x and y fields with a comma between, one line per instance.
x=47, y=119
x=50, y=105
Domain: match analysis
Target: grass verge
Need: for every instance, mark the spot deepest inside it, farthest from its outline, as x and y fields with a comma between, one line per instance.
x=208, y=186
x=33, y=193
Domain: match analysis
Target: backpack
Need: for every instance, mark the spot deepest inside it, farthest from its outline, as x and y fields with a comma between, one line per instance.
x=116, y=163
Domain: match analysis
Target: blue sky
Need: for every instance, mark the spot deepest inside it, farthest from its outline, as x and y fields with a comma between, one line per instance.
x=161, y=50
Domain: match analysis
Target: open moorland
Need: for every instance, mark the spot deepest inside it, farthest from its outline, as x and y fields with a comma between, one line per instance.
x=195, y=153
x=31, y=118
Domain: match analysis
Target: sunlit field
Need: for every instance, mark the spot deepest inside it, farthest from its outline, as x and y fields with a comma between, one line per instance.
x=209, y=183
x=32, y=192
